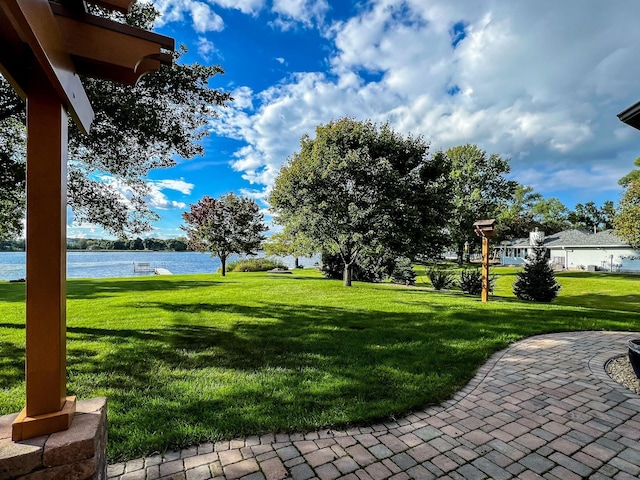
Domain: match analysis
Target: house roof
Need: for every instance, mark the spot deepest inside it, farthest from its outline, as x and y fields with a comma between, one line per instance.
x=576, y=238
x=631, y=116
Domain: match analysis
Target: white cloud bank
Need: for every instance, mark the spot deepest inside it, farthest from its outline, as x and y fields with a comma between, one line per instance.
x=540, y=82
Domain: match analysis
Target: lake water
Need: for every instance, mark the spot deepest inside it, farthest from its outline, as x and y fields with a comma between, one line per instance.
x=106, y=264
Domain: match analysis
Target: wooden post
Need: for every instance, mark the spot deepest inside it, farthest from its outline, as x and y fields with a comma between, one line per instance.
x=485, y=229
x=47, y=407
x=485, y=269
x=40, y=39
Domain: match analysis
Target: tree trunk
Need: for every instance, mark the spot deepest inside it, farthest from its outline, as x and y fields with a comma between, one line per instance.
x=348, y=270
x=223, y=260
x=460, y=253
x=296, y=262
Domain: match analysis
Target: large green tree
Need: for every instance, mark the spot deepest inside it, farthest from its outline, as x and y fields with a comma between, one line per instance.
x=478, y=187
x=627, y=221
x=136, y=129
x=632, y=176
x=224, y=226
x=12, y=181
x=551, y=215
x=361, y=189
x=516, y=218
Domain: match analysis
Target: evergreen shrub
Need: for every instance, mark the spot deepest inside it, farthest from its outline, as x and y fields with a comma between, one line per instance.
x=536, y=282
x=403, y=272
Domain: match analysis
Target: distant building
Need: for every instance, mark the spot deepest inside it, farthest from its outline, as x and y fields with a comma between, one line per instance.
x=578, y=250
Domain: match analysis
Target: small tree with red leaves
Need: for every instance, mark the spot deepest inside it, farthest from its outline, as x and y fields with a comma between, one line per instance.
x=224, y=226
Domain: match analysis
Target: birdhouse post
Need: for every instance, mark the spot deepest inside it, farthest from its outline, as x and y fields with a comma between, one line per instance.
x=486, y=230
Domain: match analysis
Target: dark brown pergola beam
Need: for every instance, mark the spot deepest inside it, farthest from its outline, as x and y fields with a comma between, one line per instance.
x=132, y=52
x=122, y=6
x=32, y=21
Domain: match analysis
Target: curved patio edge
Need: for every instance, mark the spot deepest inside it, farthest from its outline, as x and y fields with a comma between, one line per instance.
x=542, y=408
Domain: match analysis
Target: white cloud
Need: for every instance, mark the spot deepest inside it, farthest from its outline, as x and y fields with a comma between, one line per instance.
x=293, y=12
x=156, y=197
x=245, y=6
x=539, y=82
x=203, y=18
x=177, y=185
x=206, y=48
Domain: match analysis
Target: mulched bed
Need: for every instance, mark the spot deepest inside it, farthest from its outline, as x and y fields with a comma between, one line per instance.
x=620, y=370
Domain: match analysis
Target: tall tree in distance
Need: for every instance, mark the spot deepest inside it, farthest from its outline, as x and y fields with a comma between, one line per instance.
x=224, y=226
x=283, y=244
x=517, y=217
x=551, y=215
x=627, y=220
x=478, y=187
x=136, y=129
x=361, y=189
x=591, y=217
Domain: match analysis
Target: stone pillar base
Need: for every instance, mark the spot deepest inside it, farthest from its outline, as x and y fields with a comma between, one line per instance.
x=78, y=453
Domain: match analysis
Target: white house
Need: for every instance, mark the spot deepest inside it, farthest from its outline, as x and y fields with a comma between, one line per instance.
x=579, y=250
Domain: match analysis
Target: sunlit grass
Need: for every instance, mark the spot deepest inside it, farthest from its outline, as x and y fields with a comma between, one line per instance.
x=186, y=359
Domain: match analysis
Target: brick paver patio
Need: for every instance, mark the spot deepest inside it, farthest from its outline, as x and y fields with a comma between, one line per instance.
x=543, y=408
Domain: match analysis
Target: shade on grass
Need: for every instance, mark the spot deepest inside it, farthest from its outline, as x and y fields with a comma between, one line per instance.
x=187, y=359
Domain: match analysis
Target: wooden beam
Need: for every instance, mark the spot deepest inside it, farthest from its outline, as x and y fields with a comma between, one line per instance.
x=109, y=50
x=123, y=6
x=34, y=23
x=120, y=5
x=47, y=138
x=163, y=41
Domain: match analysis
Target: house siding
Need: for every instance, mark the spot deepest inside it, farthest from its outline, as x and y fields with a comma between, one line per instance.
x=604, y=258
x=575, y=249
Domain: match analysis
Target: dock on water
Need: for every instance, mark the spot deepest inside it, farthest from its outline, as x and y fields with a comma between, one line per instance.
x=146, y=267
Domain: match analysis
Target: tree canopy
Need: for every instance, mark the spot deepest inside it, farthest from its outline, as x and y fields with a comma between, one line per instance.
x=136, y=129
x=478, y=187
x=362, y=189
x=627, y=220
x=285, y=243
x=224, y=226
x=517, y=217
x=632, y=176
x=591, y=217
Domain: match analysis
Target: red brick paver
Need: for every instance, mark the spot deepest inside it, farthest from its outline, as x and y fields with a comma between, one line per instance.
x=543, y=408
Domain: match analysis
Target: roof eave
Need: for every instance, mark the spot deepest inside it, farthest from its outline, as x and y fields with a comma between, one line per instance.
x=631, y=116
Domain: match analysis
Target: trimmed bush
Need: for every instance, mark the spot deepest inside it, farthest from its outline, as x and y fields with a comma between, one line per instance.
x=441, y=278
x=254, y=265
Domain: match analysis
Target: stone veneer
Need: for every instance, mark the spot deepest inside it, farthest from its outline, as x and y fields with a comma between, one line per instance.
x=75, y=454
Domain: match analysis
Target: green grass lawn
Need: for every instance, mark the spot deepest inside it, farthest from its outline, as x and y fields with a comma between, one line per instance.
x=186, y=359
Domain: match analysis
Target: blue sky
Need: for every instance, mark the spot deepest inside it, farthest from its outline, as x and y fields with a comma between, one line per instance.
x=538, y=82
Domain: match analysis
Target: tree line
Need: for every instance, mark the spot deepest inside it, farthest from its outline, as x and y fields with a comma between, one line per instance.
x=153, y=244
x=371, y=200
